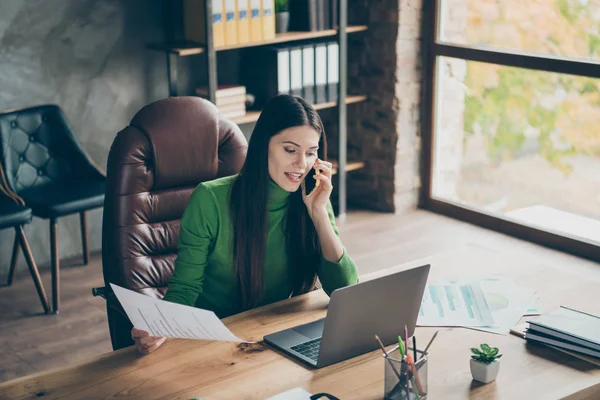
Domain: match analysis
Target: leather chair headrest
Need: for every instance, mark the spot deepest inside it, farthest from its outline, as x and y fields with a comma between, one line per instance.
x=180, y=156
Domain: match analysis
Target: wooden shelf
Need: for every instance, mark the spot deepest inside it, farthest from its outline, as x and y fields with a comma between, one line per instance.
x=350, y=166
x=252, y=116
x=190, y=48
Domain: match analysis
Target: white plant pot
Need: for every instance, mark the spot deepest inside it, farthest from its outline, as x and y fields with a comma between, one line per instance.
x=484, y=373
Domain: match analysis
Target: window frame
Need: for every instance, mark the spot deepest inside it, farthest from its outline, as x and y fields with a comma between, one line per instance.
x=433, y=49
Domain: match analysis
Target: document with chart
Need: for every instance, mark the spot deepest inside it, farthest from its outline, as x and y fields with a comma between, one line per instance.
x=454, y=304
x=165, y=319
x=489, y=303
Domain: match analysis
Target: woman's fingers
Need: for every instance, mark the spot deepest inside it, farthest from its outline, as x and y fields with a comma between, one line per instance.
x=150, y=349
x=324, y=166
x=138, y=333
x=150, y=340
x=325, y=181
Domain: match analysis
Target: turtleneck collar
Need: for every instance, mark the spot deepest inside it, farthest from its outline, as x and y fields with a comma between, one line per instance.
x=278, y=197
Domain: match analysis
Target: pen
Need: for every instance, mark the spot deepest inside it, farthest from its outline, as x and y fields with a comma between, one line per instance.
x=401, y=346
x=414, y=347
x=406, y=338
x=403, y=353
x=413, y=369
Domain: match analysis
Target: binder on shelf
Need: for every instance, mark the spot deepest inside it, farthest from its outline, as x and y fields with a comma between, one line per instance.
x=333, y=70
x=303, y=15
x=323, y=14
x=296, y=71
x=268, y=19
x=308, y=73
x=194, y=21
x=333, y=20
x=243, y=26
x=321, y=73
x=283, y=71
x=255, y=21
x=231, y=36
x=269, y=75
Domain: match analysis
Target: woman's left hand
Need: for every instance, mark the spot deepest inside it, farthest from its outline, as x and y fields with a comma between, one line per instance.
x=316, y=201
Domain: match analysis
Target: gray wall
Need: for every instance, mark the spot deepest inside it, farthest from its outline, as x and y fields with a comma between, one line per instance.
x=89, y=57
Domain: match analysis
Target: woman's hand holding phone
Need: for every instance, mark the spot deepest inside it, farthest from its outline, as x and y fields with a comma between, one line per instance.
x=316, y=200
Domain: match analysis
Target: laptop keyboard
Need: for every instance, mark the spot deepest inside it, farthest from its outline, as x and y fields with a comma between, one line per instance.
x=309, y=349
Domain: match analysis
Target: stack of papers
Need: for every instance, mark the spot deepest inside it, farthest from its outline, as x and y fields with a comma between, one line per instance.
x=164, y=319
x=492, y=304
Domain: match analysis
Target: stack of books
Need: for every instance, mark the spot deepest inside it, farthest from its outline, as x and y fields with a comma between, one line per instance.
x=569, y=330
x=230, y=99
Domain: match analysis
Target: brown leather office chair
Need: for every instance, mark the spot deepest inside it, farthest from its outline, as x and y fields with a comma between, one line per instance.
x=154, y=164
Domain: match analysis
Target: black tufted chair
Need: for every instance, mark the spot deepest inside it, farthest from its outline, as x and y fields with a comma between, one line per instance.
x=47, y=168
x=14, y=214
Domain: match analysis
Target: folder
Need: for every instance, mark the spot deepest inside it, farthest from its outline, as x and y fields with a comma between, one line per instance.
x=195, y=21
x=243, y=26
x=321, y=15
x=303, y=15
x=230, y=23
x=308, y=73
x=268, y=19
x=269, y=75
x=255, y=21
x=296, y=71
x=333, y=70
x=334, y=15
x=321, y=73
x=283, y=71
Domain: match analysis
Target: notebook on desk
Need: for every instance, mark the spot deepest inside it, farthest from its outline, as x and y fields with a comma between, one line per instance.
x=567, y=328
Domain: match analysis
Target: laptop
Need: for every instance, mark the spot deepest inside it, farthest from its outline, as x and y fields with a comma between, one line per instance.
x=356, y=314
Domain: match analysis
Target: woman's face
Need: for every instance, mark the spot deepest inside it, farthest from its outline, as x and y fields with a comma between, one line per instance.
x=292, y=153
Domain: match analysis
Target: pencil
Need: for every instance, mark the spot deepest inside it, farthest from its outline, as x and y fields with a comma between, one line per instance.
x=429, y=344
x=386, y=357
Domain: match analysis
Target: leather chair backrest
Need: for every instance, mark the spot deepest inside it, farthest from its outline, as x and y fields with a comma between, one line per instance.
x=38, y=147
x=154, y=164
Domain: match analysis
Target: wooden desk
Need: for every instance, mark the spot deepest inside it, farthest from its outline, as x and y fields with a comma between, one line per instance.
x=183, y=369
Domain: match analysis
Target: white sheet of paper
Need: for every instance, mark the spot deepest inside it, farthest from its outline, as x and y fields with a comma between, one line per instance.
x=491, y=303
x=294, y=394
x=165, y=319
x=507, y=303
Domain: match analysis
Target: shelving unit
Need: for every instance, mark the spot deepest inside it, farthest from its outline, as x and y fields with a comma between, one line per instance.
x=182, y=49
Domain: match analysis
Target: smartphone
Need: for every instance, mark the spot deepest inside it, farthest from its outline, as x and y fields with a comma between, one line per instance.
x=309, y=181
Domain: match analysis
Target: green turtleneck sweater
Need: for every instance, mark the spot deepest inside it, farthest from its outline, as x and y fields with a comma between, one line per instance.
x=204, y=275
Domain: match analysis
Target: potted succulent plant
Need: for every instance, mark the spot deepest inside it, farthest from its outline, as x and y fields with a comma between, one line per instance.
x=484, y=363
x=282, y=16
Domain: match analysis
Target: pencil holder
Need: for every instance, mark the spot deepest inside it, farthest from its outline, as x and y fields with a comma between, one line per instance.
x=415, y=387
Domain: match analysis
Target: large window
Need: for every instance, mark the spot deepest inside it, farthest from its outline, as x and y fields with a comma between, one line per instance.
x=512, y=124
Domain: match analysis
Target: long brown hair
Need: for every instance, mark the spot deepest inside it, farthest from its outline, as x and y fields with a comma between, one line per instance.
x=248, y=205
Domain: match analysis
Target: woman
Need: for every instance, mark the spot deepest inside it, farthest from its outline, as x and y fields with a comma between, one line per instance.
x=259, y=237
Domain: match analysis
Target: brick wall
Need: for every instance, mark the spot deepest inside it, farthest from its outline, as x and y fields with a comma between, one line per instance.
x=385, y=63
x=384, y=132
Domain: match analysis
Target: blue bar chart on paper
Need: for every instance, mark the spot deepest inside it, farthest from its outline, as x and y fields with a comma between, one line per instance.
x=454, y=304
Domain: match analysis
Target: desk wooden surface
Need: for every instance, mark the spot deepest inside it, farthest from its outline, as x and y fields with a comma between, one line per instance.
x=184, y=369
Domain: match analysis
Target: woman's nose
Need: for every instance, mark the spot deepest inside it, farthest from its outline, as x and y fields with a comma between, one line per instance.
x=301, y=161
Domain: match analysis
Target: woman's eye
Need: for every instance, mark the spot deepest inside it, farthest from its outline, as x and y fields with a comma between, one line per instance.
x=291, y=151
x=312, y=154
